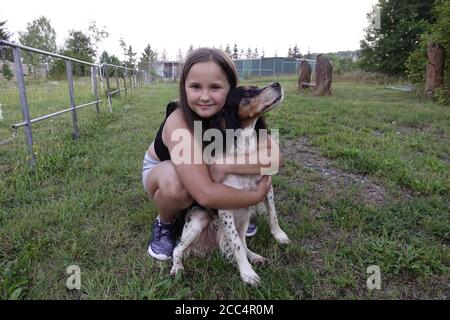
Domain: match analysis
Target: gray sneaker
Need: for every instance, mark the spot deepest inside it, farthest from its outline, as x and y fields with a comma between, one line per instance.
x=163, y=240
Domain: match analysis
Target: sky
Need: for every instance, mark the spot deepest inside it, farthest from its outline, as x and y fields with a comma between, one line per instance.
x=273, y=26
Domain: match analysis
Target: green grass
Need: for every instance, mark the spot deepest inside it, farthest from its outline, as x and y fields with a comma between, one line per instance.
x=85, y=205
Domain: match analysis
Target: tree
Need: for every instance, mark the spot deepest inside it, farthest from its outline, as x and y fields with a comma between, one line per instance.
x=163, y=57
x=131, y=55
x=5, y=52
x=106, y=58
x=235, y=52
x=249, y=54
x=296, y=52
x=123, y=45
x=148, y=59
x=386, y=47
x=190, y=49
x=289, y=52
x=78, y=45
x=97, y=35
x=179, y=56
x=255, y=53
x=4, y=34
x=228, y=50
x=39, y=35
x=438, y=32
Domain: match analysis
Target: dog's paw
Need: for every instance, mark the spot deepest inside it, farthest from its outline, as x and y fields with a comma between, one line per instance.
x=281, y=237
x=256, y=259
x=251, y=278
x=176, y=269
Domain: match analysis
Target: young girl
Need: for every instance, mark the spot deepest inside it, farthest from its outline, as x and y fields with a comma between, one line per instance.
x=207, y=77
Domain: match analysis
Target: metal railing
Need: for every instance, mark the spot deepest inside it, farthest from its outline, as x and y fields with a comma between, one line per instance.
x=134, y=76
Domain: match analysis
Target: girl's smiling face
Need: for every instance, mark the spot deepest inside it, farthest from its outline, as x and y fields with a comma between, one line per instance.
x=206, y=88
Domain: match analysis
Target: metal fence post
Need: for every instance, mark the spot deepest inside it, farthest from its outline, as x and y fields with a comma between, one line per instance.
x=94, y=78
x=24, y=103
x=76, y=130
x=273, y=66
x=117, y=81
x=131, y=85
x=108, y=88
x=260, y=62
x=125, y=81
x=100, y=75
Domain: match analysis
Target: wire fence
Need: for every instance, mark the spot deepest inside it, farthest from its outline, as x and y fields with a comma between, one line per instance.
x=269, y=67
x=106, y=81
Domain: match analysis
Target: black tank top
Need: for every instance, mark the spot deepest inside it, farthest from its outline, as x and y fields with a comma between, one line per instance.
x=162, y=152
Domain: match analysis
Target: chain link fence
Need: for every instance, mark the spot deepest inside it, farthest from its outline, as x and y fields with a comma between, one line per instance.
x=269, y=67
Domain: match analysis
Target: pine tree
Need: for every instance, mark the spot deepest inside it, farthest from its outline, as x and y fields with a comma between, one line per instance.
x=228, y=50
x=235, y=52
x=296, y=52
x=131, y=55
x=148, y=59
x=4, y=34
x=5, y=52
x=249, y=53
x=179, y=56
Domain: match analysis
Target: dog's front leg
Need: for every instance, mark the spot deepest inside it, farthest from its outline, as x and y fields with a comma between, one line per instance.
x=279, y=235
x=242, y=230
x=196, y=220
x=233, y=246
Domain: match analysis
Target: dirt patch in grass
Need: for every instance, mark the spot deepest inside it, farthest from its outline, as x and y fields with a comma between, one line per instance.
x=6, y=168
x=333, y=179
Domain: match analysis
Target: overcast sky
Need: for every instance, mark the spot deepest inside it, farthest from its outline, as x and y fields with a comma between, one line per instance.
x=272, y=26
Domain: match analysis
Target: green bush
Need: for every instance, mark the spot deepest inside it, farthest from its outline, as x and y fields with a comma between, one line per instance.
x=6, y=71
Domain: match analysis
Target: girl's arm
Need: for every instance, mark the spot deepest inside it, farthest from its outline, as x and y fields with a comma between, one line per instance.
x=195, y=177
x=249, y=163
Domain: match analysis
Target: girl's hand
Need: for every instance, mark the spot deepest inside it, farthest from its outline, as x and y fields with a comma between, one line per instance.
x=217, y=172
x=263, y=187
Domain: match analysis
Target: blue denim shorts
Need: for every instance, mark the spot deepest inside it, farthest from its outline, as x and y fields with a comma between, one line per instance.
x=147, y=165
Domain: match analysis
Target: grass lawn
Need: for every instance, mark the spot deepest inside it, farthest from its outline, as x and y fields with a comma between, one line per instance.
x=365, y=181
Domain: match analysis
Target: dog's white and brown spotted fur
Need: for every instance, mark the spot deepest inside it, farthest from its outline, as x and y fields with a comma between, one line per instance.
x=204, y=229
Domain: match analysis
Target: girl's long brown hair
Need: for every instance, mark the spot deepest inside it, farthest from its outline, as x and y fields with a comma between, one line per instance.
x=204, y=55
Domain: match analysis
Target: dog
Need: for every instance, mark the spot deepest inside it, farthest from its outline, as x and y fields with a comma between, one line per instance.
x=205, y=229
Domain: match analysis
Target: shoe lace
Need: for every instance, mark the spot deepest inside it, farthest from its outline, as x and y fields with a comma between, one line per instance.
x=164, y=231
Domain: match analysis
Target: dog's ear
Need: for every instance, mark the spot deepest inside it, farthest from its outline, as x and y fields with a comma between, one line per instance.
x=229, y=118
x=234, y=97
